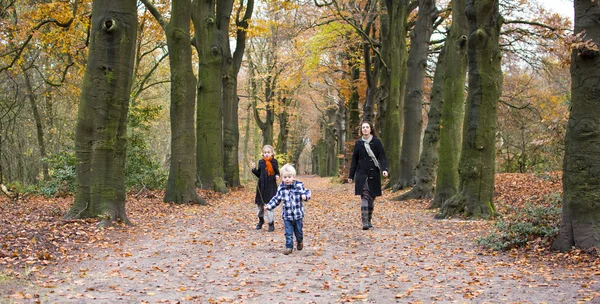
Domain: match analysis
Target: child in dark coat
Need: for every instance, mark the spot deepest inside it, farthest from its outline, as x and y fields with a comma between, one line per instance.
x=267, y=173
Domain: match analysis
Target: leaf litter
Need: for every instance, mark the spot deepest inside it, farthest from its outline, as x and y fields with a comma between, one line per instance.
x=213, y=254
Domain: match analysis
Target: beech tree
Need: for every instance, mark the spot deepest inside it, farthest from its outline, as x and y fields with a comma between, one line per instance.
x=101, y=132
x=477, y=163
x=581, y=213
x=182, y=168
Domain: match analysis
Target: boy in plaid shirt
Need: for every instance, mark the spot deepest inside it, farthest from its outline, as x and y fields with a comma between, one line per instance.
x=291, y=192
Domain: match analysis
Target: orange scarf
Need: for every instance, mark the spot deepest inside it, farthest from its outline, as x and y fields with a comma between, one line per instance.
x=269, y=166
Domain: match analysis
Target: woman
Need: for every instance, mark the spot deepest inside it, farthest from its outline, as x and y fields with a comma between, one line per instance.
x=368, y=163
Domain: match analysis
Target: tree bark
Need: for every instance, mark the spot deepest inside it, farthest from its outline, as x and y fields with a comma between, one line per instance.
x=581, y=182
x=231, y=68
x=101, y=132
x=477, y=165
x=453, y=108
x=427, y=168
x=391, y=137
x=38, y=125
x=209, y=111
x=413, y=117
x=181, y=183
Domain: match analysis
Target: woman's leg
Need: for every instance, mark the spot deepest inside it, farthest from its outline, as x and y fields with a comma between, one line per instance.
x=260, y=212
x=365, y=201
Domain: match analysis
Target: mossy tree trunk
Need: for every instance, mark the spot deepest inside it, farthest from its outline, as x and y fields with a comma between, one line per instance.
x=413, y=117
x=427, y=168
x=580, y=225
x=38, y=124
x=101, y=132
x=231, y=68
x=209, y=112
x=453, y=108
x=392, y=130
x=181, y=186
x=477, y=164
x=353, y=101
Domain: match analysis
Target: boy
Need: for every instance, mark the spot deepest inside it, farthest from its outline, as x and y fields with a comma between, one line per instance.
x=291, y=192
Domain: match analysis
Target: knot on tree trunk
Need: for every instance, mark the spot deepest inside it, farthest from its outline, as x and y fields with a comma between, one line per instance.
x=109, y=25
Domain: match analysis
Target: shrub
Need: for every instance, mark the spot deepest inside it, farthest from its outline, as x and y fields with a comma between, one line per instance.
x=61, y=167
x=525, y=224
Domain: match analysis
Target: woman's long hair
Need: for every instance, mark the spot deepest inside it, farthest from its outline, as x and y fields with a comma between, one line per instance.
x=370, y=125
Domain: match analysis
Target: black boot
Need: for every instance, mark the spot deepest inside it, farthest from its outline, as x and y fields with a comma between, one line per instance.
x=271, y=227
x=261, y=221
x=364, y=215
x=370, y=217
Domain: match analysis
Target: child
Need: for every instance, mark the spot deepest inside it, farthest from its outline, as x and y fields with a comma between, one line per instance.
x=267, y=173
x=291, y=192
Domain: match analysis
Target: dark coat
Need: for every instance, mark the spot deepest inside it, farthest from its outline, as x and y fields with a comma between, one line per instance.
x=364, y=168
x=267, y=185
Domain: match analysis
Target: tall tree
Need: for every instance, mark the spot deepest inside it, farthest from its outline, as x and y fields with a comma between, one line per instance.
x=581, y=214
x=477, y=163
x=231, y=68
x=392, y=138
x=182, y=170
x=209, y=111
x=453, y=109
x=427, y=168
x=413, y=104
x=101, y=133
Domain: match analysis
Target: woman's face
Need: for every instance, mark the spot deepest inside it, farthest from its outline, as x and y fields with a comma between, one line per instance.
x=267, y=153
x=365, y=129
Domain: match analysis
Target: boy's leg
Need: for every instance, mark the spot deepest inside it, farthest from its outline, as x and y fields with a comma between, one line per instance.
x=270, y=220
x=299, y=233
x=288, y=227
x=260, y=212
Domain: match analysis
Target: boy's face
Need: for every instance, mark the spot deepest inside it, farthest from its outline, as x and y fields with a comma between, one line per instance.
x=288, y=179
x=267, y=153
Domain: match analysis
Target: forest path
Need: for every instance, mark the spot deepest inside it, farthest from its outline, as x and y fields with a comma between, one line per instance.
x=213, y=254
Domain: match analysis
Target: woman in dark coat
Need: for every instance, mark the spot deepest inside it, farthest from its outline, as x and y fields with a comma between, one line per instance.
x=368, y=163
x=267, y=173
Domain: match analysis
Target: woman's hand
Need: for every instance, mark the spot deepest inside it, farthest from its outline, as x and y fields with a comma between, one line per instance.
x=349, y=181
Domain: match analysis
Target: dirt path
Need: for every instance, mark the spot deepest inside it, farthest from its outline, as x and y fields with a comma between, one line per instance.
x=214, y=254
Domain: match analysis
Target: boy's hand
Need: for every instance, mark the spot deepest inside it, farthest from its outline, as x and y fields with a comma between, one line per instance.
x=303, y=197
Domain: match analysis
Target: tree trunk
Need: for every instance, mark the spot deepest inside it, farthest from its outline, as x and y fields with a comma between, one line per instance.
x=413, y=117
x=453, y=108
x=231, y=68
x=477, y=165
x=384, y=84
x=354, y=113
x=392, y=137
x=38, y=125
x=209, y=125
x=581, y=213
x=101, y=133
x=182, y=171
x=427, y=168
x=267, y=126
x=284, y=133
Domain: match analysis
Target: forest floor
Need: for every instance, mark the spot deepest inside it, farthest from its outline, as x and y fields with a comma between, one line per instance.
x=213, y=254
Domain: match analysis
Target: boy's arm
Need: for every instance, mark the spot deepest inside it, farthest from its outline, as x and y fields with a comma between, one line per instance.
x=304, y=191
x=274, y=202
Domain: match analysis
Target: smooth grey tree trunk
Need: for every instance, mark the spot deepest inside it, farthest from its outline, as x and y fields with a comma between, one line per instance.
x=181, y=186
x=209, y=111
x=392, y=130
x=427, y=168
x=477, y=164
x=580, y=225
x=101, y=132
x=231, y=68
x=413, y=104
x=453, y=109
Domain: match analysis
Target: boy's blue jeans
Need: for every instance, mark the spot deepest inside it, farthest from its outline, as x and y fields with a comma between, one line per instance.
x=292, y=227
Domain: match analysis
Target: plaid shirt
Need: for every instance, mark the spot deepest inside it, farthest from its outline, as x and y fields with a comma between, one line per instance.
x=291, y=196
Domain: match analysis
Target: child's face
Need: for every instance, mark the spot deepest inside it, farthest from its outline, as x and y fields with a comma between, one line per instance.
x=288, y=179
x=267, y=153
